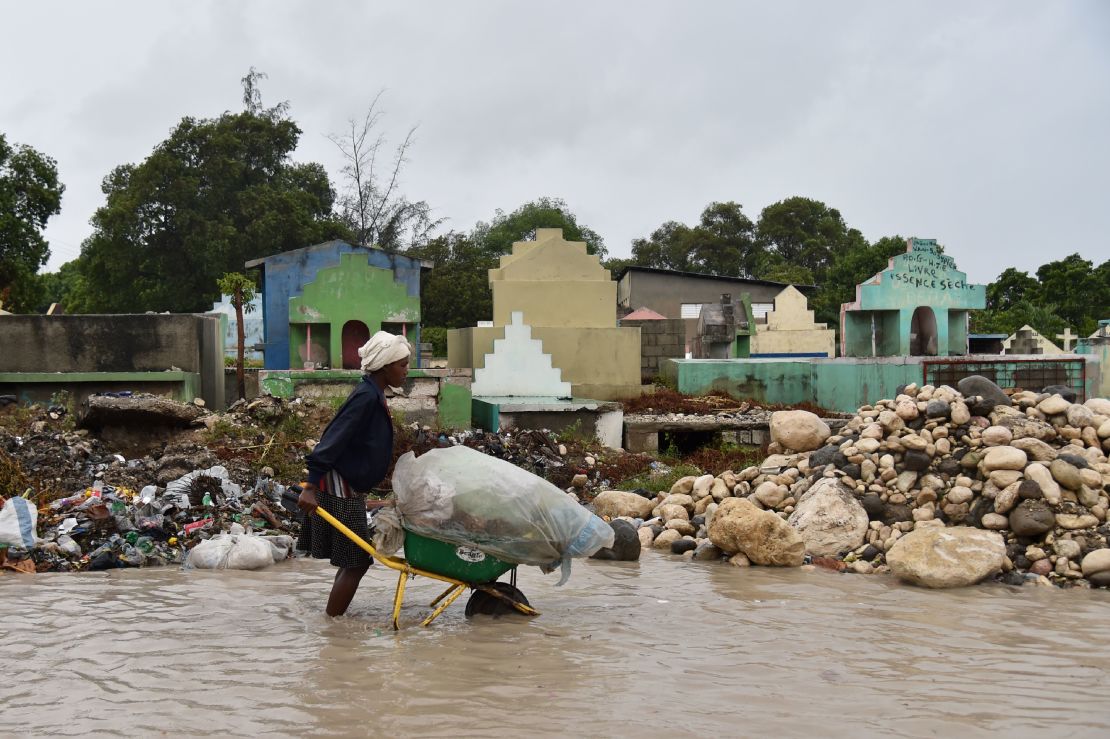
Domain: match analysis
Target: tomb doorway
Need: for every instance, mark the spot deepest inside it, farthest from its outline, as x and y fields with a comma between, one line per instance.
x=923, y=332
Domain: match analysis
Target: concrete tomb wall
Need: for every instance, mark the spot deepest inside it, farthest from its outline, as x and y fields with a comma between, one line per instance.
x=439, y=397
x=1027, y=340
x=659, y=339
x=180, y=355
x=321, y=289
x=790, y=330
x=569, y=301
x=918, y=306
x=518, y=366
x=846, y=383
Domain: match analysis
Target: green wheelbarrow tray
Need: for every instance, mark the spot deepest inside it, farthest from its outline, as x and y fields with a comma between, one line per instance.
x=459, y=562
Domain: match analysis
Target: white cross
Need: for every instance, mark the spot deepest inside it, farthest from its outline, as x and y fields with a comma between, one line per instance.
x=1067, y=337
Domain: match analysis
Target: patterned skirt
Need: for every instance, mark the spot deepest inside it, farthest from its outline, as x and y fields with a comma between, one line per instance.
x=322, y=541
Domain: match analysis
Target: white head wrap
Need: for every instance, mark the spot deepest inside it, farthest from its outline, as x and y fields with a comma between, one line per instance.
x=382, y=349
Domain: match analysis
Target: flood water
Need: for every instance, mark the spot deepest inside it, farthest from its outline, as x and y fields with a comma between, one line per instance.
x=660, y=647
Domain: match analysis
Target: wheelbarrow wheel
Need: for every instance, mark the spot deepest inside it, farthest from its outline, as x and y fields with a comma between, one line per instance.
x=483, y=603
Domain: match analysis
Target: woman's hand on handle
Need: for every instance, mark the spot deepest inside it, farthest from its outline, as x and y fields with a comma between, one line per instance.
x=307, y=499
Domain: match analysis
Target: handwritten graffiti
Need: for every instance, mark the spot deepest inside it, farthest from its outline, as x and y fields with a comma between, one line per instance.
x=930, y=281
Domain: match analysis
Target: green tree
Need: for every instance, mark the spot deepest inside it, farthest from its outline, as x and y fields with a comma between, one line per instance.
x=241, y=289
x=62, y=287
x=212, y=196
x=497, y=236
x=30, y=194
x=668, y=247
x=722, y=243
x=1080, y=292
x=807, y=233
x=1043, y=317
x=456, y=292
x=852, y=266
x=1012, y=287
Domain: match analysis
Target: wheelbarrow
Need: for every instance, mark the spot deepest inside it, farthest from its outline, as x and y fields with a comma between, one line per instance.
x=460, y=567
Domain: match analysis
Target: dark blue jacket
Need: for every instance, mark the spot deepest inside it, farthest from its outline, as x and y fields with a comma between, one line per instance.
x=358, y=443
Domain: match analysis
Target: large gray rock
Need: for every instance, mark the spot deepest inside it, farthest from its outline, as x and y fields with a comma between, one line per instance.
x=1100, y=406
x=978, y=385
x=1003, y=458
x=800, y=431
x=1031, y=519
x=1035, y=449
x=617, y=503
x=1053, y=405
x=739, y=526
x=938, y=557
x=626, y=543
x=1095, y=562
x=1064, y=391
x=830, y=519
x=1022, y=426
x=1050, y=489
x=1066, y=474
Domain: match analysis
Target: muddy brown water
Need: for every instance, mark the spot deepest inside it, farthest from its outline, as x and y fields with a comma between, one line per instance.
x=655, y=648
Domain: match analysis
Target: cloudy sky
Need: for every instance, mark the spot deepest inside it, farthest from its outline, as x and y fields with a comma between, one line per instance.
x=984, y=125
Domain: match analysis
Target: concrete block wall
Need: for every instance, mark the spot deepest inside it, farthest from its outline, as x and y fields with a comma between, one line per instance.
x=128, y=347
x=439, y=397
x=659, y=340
x=844, y=384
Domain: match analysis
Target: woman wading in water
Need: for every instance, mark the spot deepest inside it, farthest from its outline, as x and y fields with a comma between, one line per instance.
x=351, y=458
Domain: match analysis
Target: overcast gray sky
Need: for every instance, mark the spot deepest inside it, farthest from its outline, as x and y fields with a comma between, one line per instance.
x=984, y=125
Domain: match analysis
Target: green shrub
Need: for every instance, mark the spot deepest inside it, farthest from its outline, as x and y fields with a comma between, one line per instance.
x=656, y=482
x=437, y=337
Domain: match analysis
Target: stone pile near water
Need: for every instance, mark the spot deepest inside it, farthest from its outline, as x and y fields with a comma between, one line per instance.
x=939, y=485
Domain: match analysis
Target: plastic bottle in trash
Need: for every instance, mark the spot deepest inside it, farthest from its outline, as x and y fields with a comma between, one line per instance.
x=69, y=545
x=206, y=501
x=132, y=556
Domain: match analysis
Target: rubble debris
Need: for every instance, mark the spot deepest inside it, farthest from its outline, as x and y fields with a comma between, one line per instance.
x=136, y=410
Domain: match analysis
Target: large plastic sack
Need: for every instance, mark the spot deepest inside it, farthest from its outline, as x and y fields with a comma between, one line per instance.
x=231, y=552
x=462, y=496
x=388, y=534
x=18, y=519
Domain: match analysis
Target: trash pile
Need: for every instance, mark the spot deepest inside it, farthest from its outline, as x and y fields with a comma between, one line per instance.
x=539, y=452
x=941, y=486
x=106, y=526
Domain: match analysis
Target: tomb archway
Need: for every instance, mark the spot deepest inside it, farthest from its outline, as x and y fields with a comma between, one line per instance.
x=923, y=332
x=355, y=334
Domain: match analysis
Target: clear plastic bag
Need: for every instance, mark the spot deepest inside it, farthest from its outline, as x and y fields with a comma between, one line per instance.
x=462, y=496
x=389, y=536
x=231, y=552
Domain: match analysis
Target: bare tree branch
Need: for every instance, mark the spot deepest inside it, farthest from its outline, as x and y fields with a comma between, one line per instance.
x=374, y=210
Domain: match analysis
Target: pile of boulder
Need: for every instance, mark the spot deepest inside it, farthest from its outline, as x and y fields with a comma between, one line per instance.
x=941, y=486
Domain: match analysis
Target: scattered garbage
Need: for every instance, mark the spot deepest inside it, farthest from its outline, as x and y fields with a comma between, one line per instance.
x=107, y=527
